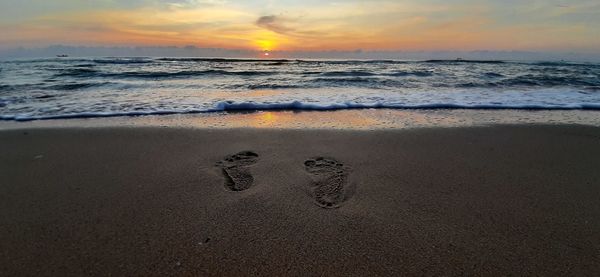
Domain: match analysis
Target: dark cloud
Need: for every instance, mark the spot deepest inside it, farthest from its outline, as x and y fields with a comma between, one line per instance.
x=274, y=23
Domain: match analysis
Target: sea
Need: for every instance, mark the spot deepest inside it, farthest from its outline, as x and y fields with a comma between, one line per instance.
x=60, y=88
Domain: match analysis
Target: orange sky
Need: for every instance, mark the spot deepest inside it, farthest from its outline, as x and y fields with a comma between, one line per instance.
x=306, y=25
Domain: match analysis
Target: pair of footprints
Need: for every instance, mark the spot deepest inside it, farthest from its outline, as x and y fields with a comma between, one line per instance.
x=328, y=188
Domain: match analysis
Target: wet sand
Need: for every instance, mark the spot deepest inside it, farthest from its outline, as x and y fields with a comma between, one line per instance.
x=501, y=200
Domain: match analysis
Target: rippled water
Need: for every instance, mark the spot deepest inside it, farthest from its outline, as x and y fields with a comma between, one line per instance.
x=64, y=88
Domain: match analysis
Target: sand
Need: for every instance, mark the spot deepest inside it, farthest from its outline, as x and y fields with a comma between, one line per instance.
x=501, y=200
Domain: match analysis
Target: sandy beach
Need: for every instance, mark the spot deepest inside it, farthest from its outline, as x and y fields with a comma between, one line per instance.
x=299, y=138
x=144, y=201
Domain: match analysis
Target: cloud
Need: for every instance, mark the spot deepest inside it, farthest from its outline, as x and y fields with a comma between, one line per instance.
x=274, y=23
x=194, y=3
x=306, y=25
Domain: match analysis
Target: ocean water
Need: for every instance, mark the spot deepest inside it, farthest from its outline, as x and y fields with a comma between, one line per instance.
x=98, y=87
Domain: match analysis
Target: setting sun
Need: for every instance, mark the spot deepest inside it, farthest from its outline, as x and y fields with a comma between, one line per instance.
x=265, y=45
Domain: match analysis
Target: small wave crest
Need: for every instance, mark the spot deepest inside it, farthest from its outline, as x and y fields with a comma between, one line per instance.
x=459, y=61
x=358, y=81
x=297, y=105
x=416, y=73
x=225, y=106
x=82, y=72
x=270, y=86
x=87, y=72
x=77, y=86
x=123, y=61
x=350, y=73
x=222, y=60
x=185, y=73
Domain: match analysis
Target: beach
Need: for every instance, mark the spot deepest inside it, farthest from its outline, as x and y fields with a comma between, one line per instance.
x=300, y=138
x=518, y=199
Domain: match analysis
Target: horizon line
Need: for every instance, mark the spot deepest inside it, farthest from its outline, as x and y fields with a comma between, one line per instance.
x=369, y=54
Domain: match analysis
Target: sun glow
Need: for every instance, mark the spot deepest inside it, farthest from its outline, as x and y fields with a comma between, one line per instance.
x=280, y=26
x=265, y=45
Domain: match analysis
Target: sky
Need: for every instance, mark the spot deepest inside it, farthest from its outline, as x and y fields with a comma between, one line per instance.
x=306, y=25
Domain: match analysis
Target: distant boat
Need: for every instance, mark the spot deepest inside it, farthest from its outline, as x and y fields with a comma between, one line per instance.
x=62, y=56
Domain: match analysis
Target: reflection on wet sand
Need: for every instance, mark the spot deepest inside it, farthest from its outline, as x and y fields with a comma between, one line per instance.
x=360, y=119
x=369, y=119
x=287, y=119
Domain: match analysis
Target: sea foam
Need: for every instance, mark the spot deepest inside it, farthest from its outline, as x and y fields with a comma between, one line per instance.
x=73, y=88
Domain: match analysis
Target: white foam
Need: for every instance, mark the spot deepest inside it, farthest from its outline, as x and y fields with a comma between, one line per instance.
x=297, y=105
x=34, y=90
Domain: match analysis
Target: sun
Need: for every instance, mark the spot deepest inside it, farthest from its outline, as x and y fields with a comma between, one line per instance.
x=265, y=45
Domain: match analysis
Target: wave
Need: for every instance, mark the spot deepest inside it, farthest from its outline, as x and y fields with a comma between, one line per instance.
x=458, y=61
x=147, y=60
x=356, y=62
x=53, y=86
x=71, y=86
x=91, y=115
x=362, y=82
x=545, y=81
x=296, y=105
x=493, y=75
x=124, y=61
x=225, y=60
x=283, y=61
x=231, y=106
x=77, y=72
x=271, y=86
x=417, y=73
x=86, y=72
x=169, y=86
x=350, y=73
x=185, y=73
x=350, y=78
x=85, y=65
x=562, y=64
x=29, y=61
x=591, y=88
x=522, y=82
x=274, y=63
x=76, y=86
x=44, y=96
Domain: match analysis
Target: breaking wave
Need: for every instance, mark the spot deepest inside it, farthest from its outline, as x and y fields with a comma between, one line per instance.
x=72, y=88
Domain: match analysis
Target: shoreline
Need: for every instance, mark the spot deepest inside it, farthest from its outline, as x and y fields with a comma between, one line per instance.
x=365, y=119
x=493, y=200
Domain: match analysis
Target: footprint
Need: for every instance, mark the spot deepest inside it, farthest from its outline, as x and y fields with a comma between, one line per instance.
x=236, y=171
x=330, y=181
